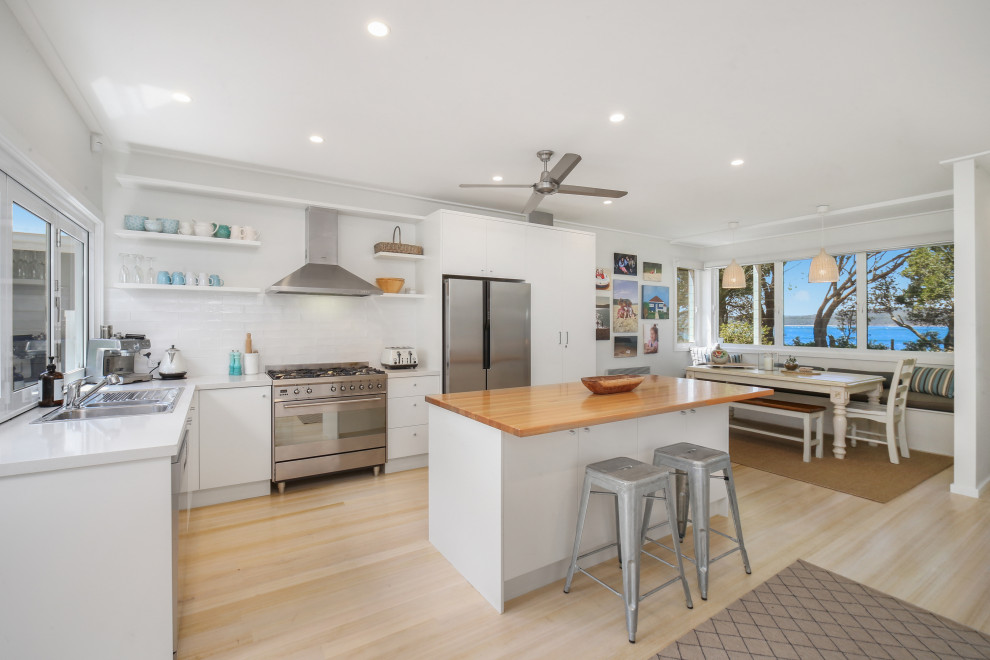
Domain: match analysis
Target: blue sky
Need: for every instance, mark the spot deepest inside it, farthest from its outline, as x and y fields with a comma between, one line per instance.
x=801, y=297
x=26, y=222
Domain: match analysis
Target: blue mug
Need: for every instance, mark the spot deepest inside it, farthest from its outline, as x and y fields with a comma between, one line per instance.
x=164, y=277
x=178, y=277
x=215, y=280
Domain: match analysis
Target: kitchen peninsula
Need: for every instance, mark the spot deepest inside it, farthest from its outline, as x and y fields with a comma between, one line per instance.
x=506, y=468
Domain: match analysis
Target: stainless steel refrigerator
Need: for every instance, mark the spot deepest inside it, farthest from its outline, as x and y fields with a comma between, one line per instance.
x=485, y=334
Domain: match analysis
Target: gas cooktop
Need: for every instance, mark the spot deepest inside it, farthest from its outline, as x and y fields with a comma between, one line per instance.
x=332, y=370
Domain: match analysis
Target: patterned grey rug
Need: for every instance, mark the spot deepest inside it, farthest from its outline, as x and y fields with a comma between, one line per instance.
x=807, y=612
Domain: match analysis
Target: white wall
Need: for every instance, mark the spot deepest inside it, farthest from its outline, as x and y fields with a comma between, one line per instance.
x=667, y=361
x=39, y=123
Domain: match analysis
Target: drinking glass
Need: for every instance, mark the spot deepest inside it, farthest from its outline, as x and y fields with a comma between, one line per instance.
x=125, y=272
x=150, y=272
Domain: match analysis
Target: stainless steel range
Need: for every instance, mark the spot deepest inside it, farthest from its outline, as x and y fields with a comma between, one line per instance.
x=326, y=418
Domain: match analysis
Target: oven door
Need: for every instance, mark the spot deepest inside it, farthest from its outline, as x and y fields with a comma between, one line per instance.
x=319, y=427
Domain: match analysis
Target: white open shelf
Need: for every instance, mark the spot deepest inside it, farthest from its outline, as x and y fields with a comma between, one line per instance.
x=182, y=238
x=187, y=288
x=399, y=255
x=402, y=295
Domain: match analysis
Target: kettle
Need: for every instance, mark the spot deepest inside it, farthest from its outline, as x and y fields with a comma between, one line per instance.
x=172, y=362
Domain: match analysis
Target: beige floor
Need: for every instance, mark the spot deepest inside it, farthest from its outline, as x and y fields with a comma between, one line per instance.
x=343, y=568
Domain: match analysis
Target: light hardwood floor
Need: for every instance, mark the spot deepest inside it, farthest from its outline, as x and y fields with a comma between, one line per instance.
x=342, y=568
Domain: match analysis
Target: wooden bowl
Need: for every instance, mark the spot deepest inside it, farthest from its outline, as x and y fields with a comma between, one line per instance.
x=612, y=384
x=390, y=284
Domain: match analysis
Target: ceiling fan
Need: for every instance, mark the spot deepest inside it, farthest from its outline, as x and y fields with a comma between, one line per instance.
x=550, y=182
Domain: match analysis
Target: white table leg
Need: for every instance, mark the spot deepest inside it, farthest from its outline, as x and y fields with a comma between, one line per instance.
x=839, y=398
x=873, y=396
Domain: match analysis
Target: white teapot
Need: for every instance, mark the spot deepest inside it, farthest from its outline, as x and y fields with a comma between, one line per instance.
x=172, y=362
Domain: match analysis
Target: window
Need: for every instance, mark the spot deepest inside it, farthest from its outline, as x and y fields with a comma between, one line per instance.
x=686, y=305
x=45, y=299
x=821, y=314
x=746, y=316
x=910, y=299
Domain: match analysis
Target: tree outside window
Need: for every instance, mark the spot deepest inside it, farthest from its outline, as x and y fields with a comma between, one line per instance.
x=685, y=305
x=745, y=316
x=820, y=314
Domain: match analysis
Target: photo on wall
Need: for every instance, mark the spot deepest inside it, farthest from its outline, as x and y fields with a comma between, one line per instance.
x=603, y=281
x=625, y=306
x=651, y=339
x=603, y=318
x=624, y=264
x=625, y=347
x=656, y=302
x=652, y=272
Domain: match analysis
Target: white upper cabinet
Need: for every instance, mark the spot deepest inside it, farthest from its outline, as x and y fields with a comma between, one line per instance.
x=482, y=247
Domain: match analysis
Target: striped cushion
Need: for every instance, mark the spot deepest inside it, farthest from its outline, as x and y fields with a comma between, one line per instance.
x=939, y=381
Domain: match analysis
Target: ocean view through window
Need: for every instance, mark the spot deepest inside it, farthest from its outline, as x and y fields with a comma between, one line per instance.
x=820, y=314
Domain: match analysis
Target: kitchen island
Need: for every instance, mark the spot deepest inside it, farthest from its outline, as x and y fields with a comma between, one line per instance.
x=506, y=469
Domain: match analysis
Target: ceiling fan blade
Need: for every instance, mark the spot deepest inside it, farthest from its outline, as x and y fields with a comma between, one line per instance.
x=591, y=192
x=534, y=201
x=496, y=185
x=564, y=166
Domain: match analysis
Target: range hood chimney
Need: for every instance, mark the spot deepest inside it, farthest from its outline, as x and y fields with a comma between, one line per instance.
x=322, y=276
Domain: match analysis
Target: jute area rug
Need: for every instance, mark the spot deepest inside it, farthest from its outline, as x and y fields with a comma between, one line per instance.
x=807, y=612
x=865, y=471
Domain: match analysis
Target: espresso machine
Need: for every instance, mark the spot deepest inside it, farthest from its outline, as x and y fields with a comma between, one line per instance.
x=116, y=355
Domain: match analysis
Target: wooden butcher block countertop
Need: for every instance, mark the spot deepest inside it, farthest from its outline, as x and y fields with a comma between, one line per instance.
x=526, y=411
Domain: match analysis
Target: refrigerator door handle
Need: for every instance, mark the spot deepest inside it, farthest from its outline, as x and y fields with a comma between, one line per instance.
x=486, y=346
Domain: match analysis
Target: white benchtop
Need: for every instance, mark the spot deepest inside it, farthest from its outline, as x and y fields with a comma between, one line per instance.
x=27, y=448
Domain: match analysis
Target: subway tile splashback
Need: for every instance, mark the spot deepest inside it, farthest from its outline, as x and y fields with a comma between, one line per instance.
x=285, y=329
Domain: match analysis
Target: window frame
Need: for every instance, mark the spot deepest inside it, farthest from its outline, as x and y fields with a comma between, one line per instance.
x=698, y=316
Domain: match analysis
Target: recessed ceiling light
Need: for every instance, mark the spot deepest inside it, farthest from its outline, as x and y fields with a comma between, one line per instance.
x=607, y=201
x=737, y=162
x=378, y=29
x=181, y=97
x=316, y=139
x=616, y=117
x=496, y=178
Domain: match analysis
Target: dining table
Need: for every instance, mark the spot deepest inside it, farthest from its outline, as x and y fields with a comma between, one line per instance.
x=839, y=387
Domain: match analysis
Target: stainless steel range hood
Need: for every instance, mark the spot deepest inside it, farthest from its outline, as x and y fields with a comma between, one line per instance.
x=321, y=276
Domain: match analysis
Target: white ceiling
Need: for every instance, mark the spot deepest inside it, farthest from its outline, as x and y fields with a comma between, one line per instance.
x=845, y=102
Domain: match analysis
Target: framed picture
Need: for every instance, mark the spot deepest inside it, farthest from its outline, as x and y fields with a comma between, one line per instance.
x=603, y=282
x=624, y=264
x=625, y=347
x=603, y=318
x=652, y=272
x=625, y=306
x=651, y=339
x=656, y=302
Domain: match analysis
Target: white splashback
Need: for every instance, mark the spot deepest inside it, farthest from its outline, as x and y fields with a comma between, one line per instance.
x=285, y=329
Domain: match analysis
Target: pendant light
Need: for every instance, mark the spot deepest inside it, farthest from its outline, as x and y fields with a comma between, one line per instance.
x=733, y=276
x=823, y=267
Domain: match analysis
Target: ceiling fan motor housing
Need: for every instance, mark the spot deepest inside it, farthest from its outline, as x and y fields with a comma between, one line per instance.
x=546, y=185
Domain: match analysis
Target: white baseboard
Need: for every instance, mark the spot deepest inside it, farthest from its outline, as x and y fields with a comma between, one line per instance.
x=977, y=492
x=407, y=463
x=211, y=496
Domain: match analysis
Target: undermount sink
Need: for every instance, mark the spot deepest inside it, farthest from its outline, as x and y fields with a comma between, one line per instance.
x=113, y=404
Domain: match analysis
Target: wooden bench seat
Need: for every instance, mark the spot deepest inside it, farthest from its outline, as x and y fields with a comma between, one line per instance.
x=804, y=411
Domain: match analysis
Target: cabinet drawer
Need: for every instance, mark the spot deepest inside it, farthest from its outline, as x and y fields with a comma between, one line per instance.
x=408, y=441
x=407, y=411
x=412, y=386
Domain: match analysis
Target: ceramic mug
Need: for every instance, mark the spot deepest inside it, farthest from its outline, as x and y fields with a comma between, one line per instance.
x=249, y=233
x=203, y=279
x=170, y=226
x=236, y=232
x=186, y=227
x=153, y=225
x=215, y=280
x=178, y=277
x=164, y=277
x=204, y=228
x=134, y=222
x=222, y=231
x=191, y=279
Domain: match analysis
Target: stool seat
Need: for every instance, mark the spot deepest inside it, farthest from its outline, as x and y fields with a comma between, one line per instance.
x=632, y=483
x=693, y=467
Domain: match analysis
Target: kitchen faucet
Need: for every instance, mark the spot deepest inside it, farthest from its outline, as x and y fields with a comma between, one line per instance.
x=72, y=397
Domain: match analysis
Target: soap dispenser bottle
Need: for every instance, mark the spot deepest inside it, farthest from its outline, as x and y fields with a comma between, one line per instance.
x=235, y=363
x=52, y=383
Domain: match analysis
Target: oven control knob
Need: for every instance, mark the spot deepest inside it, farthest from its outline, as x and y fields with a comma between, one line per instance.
x=295, y=391
x=379, y=386
x=333, y=389
x=360, y=387
x=352, y=387
x=309, y=390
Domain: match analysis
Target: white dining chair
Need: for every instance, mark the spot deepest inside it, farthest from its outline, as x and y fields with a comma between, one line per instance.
x=892, y=415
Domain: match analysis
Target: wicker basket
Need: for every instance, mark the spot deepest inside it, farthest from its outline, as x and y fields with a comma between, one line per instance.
x=398, y=247
x=612, y=384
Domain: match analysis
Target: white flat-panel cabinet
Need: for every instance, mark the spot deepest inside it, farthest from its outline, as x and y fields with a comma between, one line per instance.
x=482, y=247
x=192, y=448
x=408, y=427
x=560, y=267
x=235, y=436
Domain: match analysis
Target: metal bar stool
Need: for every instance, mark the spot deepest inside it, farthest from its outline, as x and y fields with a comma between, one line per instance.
x=630, y=482
x=695, y=465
